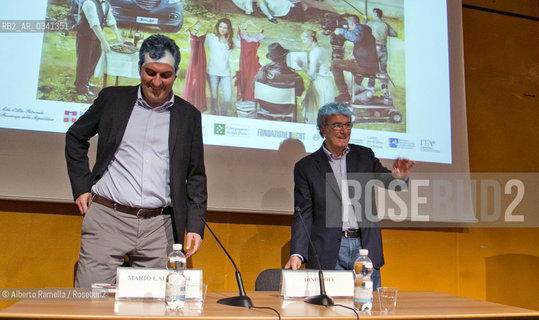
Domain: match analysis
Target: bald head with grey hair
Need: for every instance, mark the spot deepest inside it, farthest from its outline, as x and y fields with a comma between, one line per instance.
x=328, y=110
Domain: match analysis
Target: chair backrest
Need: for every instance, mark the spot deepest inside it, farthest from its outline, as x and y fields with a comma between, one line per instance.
x=274, y=95
x=269, y=280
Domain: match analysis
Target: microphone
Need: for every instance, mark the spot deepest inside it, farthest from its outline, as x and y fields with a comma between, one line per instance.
x=239, y=301
x=322, y=299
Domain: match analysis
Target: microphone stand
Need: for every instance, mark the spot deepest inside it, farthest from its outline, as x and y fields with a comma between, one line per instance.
x=239, y=301
x=321, y=299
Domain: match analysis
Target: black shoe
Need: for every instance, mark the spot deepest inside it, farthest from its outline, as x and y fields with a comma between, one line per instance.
x=343, y=97
x=273, y=20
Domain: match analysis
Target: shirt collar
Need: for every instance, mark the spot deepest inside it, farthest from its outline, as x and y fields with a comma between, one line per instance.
x=165, y=106
x=332, y=156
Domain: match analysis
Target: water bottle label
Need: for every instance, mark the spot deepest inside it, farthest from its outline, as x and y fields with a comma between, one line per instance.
x=367, y=285
x=364, y=267
x=363, y=294
x=175, y=289
x=363, y=299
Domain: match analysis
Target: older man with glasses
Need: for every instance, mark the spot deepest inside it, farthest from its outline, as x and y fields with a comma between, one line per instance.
x=322, y=196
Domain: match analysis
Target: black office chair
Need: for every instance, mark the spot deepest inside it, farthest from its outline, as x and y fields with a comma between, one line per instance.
x=269, y=280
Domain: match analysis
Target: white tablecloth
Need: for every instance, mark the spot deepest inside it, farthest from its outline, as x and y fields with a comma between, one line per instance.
x=117, y=64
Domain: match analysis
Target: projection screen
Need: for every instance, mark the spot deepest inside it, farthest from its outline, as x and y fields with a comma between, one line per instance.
x=416, y=110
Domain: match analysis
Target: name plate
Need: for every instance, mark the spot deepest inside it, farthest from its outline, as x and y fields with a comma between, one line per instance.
x=148, y=283
x=304, y=283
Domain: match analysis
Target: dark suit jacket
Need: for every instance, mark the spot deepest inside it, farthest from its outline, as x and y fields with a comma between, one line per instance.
x=319, y=201
x=108, y=116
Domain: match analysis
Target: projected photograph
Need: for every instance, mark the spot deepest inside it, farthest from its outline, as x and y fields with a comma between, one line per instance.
x=276, y=60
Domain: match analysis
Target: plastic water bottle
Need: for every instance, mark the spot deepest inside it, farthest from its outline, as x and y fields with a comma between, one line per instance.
x=175, y=286
x=363, y=281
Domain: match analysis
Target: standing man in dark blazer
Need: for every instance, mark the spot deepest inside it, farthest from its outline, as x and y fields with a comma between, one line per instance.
x=322, y=187
x=148, y=185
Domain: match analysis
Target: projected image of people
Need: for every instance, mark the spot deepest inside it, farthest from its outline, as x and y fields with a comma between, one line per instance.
x=219, y=45
x=381, y=30
x=194, y=89
x=277, y=86
x=321, y=88
x=338, y=50
x=91, y=41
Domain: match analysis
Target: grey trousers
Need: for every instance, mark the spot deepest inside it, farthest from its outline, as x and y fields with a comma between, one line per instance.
x=107, y=236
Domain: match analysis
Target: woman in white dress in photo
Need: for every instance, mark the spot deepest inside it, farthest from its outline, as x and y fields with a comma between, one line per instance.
x=322, y=87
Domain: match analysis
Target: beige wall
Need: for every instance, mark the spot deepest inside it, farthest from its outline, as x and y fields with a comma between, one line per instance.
x=39, y=241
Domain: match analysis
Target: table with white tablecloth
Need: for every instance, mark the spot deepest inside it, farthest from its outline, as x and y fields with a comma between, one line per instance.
x=117, y=64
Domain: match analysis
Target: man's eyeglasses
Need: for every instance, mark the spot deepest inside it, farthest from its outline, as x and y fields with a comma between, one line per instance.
x=339, y=126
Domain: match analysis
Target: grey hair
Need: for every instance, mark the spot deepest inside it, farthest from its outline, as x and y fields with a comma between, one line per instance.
x=328, y=110
x=156, y=46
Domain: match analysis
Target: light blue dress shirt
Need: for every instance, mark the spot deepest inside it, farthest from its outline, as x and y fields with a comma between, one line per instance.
x=139, y=173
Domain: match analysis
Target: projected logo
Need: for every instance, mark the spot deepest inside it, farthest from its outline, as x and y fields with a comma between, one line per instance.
x=222, y=129
x=401, y=143
x=374, y=142
x=280, y=134
x=427, y=145
x=71, y=116
x=219, y=129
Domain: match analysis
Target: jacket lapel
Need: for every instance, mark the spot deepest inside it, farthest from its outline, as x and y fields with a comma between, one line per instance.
x=352, y=161
x=325, y=170
x=123, y=113
x=174, y=125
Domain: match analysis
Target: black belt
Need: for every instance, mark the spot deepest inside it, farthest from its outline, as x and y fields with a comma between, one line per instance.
x=139, y=212
x=351, y=233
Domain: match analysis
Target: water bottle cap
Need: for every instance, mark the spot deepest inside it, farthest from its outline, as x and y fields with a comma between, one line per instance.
x=177, y=246
x=363, y=252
